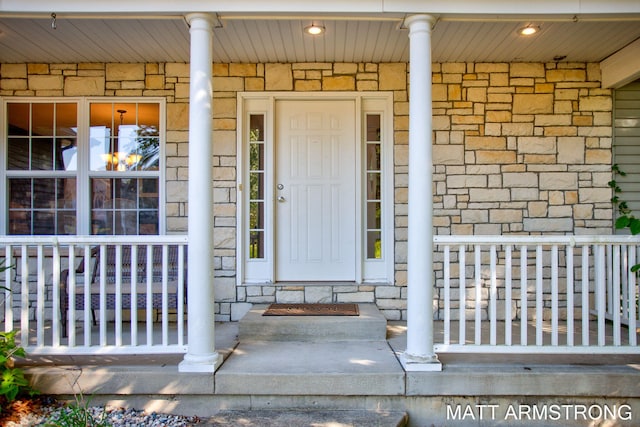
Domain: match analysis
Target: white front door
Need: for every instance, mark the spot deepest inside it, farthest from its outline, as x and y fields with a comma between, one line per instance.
x=315, y=177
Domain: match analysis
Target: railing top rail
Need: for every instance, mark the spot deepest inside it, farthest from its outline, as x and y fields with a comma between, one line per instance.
x=93, y=240
x=535, y=240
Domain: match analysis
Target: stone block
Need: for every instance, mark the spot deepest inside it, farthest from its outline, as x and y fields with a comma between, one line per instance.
x=448, y=154
x=228, y=84
x=318, y=294
x=176, y=69
x=290, y=297
x=177, y=116
x=526, y=69
x=520, y=179
x=486, y=143
x=498, y=116
x=571, y=150
x=242, y=70
x=525, y=103
x=548, y=224
x=278, y=77
x=392, y=76
x=16, y=71
x=537, y=209
x=13, y=84
x=338, y=83
x=566, y=75
x=517, y=129
x=345, y=68
x=466, y=181
x=488, y=195
x=558, y=181
x=594, y=195
x=537, y=145
x=47, y=82
x=84, y=86
x=595, y=103
x=120, y=72
x=495, y=157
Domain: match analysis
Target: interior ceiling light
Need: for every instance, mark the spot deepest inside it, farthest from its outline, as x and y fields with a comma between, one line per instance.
x=529, y=30
x=314, y=29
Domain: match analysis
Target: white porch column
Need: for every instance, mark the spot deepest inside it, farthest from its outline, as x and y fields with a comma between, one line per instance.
x=201, y=354
x=419, y=355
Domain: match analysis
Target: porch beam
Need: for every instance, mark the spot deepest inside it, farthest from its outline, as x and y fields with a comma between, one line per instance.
x=201, y=354
x=420, y=355
x=622, y=67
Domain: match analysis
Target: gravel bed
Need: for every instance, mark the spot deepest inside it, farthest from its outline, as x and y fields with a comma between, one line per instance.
x=115, y=417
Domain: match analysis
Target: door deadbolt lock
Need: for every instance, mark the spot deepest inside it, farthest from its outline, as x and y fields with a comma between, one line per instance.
x=280, y=187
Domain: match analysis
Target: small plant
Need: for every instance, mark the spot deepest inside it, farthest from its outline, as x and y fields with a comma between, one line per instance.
x=78, y=414
x=12, y=380
x=626, y=218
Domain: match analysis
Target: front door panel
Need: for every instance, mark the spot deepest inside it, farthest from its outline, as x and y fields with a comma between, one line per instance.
x=315, y=190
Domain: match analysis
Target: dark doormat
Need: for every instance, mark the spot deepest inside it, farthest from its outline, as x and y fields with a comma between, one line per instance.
x=311, y=310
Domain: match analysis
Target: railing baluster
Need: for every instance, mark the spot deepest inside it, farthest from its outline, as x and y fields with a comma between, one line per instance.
x=554, y=295
x=134, y=294
x=585, y=293
x=462, y=324
x=539, y=301
x=55, y=295
x=24, y=296
x=87, y=295
x=609, y=279
x=447, y=296
x=615, y=312
x=507, y=296
x=103, y=295
x=40, y=298
x=180, y=303
x=632, y=301
x=524, y=316
x=624, y=285
x=601, y=302
x=478, y=299
x=118, y=296
x=165, y=294
x=8, y=294
x=570, y=302
x=493, y=321
x=71, y=302
x=149, y=298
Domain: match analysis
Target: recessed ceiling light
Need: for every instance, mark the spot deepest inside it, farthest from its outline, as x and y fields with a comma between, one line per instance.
x=529, y=30
x=314, y=29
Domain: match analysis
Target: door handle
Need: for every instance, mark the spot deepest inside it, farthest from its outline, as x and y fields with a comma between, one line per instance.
x=281, y=199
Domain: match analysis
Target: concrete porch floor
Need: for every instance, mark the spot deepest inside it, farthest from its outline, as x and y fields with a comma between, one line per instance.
x=356, y=375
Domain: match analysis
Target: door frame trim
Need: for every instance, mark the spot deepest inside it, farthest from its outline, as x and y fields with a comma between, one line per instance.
x=267, y=100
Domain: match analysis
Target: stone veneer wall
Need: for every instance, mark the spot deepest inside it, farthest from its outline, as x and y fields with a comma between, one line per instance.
x=518, y=148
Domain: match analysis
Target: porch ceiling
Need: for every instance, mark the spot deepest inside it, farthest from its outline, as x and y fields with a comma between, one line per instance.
x=281, y=39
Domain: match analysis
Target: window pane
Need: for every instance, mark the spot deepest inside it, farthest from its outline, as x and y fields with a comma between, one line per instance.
x=42, y=206
x=256, y=157
x=256, y=127
x=42, y=119
x=66, y=154
x=374, y=245
x=18, y=116
x=373, y=186
x=256, y=215
x=256, y=182
x=373, y=127
x=18, y=154
x=66, y=120
x=125, y=206
x=374, y=215
x=42, y=154
x=149, y=119
x=256, y=244
x=373, y=157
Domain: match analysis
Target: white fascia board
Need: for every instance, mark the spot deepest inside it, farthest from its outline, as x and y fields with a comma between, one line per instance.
x=190, y=6
x=622, y=67
x=514, y=7
x=454, y=7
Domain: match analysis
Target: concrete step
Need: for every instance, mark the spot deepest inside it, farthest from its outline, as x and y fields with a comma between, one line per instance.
x=370, y=325
x=289, y=418
x=297, y=368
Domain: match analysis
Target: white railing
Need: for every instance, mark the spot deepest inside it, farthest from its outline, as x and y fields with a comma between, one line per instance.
x=581, y=296
x=132, y=310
